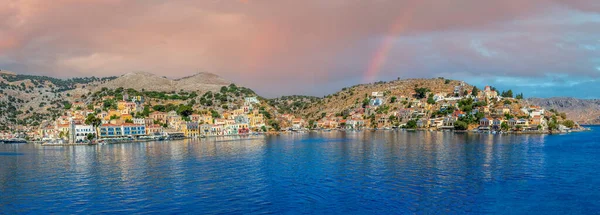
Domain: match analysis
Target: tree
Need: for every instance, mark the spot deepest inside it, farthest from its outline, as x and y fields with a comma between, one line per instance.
x=214, y=114
x=508, y=94
x=160, y=108
x=563, y=116
x=274, y=124
x=93, y=120
x=67, y=105
x=232, y=88
x=430, y=100
x=263, y=128
x=519, y=96
x=475, y=91
x=552, y=126
x=411, y=124
x=461, y=126
x=519, y=127
x=447, y=81
x=185, y=110
x=504, y=126
x=569, y=123
x=90, y=136
x=393, y=99
x=421, y=92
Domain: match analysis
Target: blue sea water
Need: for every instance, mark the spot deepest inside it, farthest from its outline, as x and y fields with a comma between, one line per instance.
x=385, y=172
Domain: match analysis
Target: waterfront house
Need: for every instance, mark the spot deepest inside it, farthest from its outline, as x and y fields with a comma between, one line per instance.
x=512, y=122
x=538, y=121
x=423, y=123
x=497, y=123
x=82, y=131
x=243, y=128
x=484, y=124
x=110, y=131
x=436, y=123
x=191, y=129
x=449, y=122
x=123, y=130
x=298, y=123
x=216, y=130
x=205, y=129
x=154, y=129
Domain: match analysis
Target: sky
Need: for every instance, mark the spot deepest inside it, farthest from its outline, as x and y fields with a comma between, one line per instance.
x=543, y=48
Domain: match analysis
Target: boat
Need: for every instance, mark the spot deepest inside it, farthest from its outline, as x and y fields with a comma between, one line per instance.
x=14, y=141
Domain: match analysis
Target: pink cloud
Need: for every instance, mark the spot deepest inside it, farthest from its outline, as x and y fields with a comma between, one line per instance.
x=293, y=43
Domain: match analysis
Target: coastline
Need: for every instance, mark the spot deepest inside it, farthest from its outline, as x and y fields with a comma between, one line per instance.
x=272, y=133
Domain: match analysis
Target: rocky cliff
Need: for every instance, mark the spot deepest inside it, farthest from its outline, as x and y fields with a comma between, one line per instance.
x=584, y=111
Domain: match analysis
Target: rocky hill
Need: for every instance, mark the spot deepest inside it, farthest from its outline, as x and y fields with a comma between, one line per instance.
x=202, y=82
x=31, y=100
x=354, y=97
x=583, y=111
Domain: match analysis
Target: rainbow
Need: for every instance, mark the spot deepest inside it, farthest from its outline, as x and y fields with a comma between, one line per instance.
x=381, y=54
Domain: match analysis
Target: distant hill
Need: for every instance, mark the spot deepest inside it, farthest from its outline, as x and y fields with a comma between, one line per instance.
x=584, y=111
x=150, y=82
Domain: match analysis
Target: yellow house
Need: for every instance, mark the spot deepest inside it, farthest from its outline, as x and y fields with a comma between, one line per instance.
x=121, y=105
x=238, y=112
x=191, y=129
x=125, y=117
x=256, y=120
x=207, y=119
x=113, y=113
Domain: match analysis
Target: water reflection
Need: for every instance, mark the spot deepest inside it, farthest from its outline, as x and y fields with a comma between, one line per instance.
x=332, y=172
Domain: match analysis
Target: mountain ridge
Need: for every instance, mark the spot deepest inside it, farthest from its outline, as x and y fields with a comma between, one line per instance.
x=583, y=111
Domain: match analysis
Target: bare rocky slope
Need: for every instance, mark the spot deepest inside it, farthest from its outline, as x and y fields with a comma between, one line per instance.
x=584, y=111
x=150, y=82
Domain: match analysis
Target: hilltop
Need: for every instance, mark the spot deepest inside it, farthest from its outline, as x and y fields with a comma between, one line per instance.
x=201, y=82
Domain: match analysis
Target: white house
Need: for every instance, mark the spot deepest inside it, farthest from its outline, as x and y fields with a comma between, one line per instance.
x=82, y=131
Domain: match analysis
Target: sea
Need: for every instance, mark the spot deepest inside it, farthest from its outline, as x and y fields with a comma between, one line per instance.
x=366, y=172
